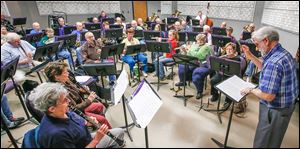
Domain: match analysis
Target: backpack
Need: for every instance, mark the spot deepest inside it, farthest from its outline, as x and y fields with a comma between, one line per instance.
x=240, y=109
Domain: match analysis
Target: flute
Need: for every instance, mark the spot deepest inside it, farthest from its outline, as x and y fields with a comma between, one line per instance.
x=96, y=125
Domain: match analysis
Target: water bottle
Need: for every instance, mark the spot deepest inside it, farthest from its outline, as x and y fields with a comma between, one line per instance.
x=136, y=70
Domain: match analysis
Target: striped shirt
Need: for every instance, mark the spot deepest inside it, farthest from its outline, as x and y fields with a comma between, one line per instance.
x=278, y=76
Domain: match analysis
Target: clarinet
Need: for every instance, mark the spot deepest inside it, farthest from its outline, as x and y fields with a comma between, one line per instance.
x=73, y=80
x=118, y=141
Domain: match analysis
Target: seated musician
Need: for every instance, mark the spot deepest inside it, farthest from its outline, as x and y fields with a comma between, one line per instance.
x=61, y=23
x=163, y=34
x=229, y=31
x=62, y=128
x=120, y=22
x=36, y=28
x=91, y=51
x=58, y=72
x=201, y=50
x=95, y=20
x=135, y=26
x=16, y=47
x=3, y=34
x=231, y=54
x=141, y=23
x=173, y=40
x=130, y=58
x=78, y=31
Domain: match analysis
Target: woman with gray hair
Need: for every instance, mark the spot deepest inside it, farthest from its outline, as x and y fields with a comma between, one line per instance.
x=61, y=128
x=200, y=50
x=278, y=87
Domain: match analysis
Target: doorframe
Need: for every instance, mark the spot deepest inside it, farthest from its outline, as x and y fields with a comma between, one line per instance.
x=132, y=4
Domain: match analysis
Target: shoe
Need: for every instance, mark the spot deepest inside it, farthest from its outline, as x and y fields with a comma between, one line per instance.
x=17, y=119
x=145, y=74
x=112, y=83
x=214, y=99
x=180, y=84
x=162, y=79
x=14, y=125
x=123, y=145
x=226, y=105
x=199, y=95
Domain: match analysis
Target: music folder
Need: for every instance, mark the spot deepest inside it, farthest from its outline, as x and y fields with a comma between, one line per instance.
x=232, y=87
x=143, y=104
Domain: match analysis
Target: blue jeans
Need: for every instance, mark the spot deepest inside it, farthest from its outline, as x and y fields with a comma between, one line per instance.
x=5, y=108
x=198, y=77
x=67, y=55
x=78, y=54
x=130, y=60
x=161, y=66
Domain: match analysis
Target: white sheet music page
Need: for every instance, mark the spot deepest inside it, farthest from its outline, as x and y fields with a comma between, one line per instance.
x=233, y=86
x=144, y=105
x=121, y=86
x=82, y=79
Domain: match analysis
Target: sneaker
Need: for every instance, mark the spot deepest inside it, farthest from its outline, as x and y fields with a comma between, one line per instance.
x=199, y=95
x=162, y=79
x=17, y=119
x=180, y=84
x=14, y=125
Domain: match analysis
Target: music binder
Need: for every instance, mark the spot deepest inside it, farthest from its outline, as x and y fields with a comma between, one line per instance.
x=143, y=104
x=232, y=87
x=120, y=87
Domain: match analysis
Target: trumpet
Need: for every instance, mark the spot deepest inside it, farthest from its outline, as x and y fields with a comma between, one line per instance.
x=177, y=13
x=96, y=125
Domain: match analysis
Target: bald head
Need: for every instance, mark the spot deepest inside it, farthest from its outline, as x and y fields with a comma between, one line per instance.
x=36, y=26
x=79, y=26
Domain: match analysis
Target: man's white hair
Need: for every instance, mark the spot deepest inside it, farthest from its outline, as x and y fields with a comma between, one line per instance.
x=12, y=36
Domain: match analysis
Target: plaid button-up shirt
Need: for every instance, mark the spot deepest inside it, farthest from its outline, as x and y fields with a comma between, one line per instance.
x=278, y=76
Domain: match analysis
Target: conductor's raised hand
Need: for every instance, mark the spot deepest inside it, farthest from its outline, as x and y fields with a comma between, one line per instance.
x=247, y=52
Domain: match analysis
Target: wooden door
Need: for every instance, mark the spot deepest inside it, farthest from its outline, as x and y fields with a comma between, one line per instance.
x=140, y=10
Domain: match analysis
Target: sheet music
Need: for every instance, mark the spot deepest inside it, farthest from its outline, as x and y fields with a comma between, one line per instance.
x=233, y=86
x=121, y=86
x=82, y=79
x=144, y=105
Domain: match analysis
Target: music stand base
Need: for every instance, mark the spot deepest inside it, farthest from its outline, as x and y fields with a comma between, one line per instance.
x=220, y=144
x=127, y=131
x=183, y=97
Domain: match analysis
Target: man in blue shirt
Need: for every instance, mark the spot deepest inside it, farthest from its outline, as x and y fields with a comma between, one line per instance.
x=278, y=87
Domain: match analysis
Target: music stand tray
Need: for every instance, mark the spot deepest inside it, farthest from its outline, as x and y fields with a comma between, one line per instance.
x=100, y=69
x=219, y=31
x=246, y=35
x=46, y=50
x=171, y=21
x=92, y=26
x=19, y=21
x=220, y=41
x=68, y=29
x=195, y=22
x=185, y=60
x=114, y=33
x=109, y=20
x=33, y=38
x=191, y=36
x=112, y=50
x=115, y=26
x=182, y=36
x=148, y=35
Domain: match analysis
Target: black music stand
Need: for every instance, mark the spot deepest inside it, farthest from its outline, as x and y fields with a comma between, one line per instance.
x=226, y=67
x=10, y=69
x=219, y=41
x=171, y=20
x=92, y=26
x=109, y=20
x=34, y=38
x=112, y=50
x=246, y=35
x=185, y=60
x=138, y=34
x=191, y=36
x=100, y=69
x=20, y=21
x=97, y=34
x=149, y=35
x=195, y=22
x=197, y=29
x=219, y=31
x=155, y=46
x=136, y=49
x=230, y=116
x=115, y=33
x=68, y=29
x=68, y=41
x=115, y=26
x=252, y=47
